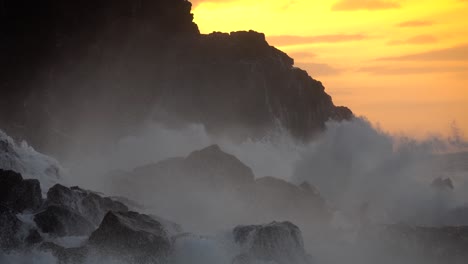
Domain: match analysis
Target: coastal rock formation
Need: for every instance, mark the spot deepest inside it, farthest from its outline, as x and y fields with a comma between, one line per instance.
x=19, y=194
x=276, y=242
x=132, y=236
x=209, y=179
x=124, y=62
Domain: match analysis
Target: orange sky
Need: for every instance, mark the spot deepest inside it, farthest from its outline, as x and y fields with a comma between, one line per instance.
x=401, y=63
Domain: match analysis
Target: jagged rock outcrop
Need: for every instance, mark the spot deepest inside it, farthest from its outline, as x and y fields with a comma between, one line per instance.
x=22, y=158
x=132, y=236
x=61, y=221
x=276, y=242
x=211, y=164
x=9, y=228
x=207, y=168
x=74, y=211
x=90, y=205
x=208, y=179
x=146, y=59
x=17, y=194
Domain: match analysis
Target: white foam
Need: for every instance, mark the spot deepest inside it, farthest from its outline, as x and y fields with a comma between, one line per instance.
x=22, y=158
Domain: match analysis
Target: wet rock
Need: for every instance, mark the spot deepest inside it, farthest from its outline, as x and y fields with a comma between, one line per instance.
x=61, y=221
x=33, y=237
x=233, y=83
x=18, y=194
x=9, y=227
x=88, y=204
x=277, y=242
x=133, y=237
x=65, y=255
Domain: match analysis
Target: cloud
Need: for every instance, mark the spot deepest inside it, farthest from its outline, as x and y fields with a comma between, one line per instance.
x=353, y=5
x=457, y=53
x=416, y=23
x=384, y=70
x=319, y=69
x=421, y=39
x=287, y=40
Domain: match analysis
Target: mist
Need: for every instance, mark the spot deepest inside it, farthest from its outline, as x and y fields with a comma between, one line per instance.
x=130, y=137
x=352, y=164
x=367, y=178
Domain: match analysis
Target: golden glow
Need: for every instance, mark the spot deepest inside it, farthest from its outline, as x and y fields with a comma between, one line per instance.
x=401, y=63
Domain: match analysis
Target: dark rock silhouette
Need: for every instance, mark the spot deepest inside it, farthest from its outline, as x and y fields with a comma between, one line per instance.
x=61, y=221
x=65, y=255
x=90, y=205
x=9, y=228
x=18, y=194
x=208, y=179
x=207, y=168
x=73, y=211
x=20, y=157
x=112, y=64
x=132, y=236
x=442, y=184
x=34, y=237
x=275, y=242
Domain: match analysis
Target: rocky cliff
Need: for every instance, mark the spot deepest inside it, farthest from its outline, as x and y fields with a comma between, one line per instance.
x=90, y=68
x=223, y=188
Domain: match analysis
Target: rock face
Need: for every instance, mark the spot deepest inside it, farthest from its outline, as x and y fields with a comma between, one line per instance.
x=132, y=236
x=113, y=231
x=211, y=164
x=18, y=194
x=61, y=221
x=22, y=158
x=73, y=211
x=208, y=179
x=9, y=228
x=207, y=168
x=279, y=243
x=139, y=56
x=88, y=204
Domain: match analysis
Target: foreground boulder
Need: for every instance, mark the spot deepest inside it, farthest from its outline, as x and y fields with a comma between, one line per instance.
x=9, y=228
x=19, y=194
x=134, y=237
x=276, y=242
x=90, y=205
x=61, y=221
x=74, y=211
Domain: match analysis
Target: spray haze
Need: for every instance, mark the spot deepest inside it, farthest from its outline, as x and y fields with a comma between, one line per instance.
x=201, y=148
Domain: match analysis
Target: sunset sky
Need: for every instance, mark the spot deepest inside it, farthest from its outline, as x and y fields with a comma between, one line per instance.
x=401, y=63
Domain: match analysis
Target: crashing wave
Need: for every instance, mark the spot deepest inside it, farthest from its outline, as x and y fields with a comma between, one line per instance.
x=22, y=158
